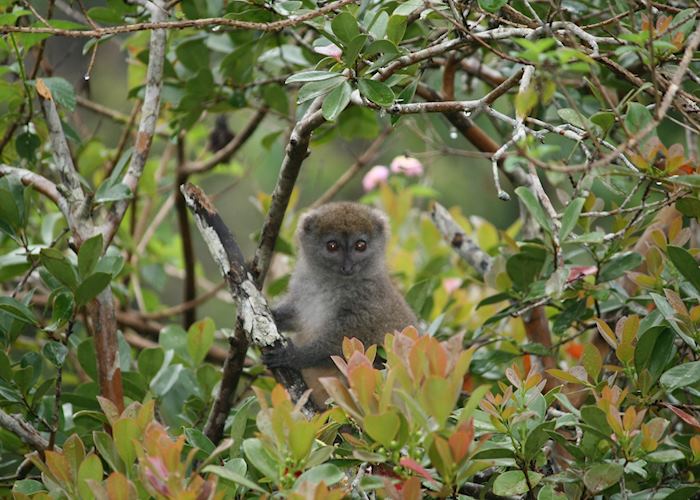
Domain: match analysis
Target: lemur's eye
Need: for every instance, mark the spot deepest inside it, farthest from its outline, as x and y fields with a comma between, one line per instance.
x=332, y=246
x=360, y=245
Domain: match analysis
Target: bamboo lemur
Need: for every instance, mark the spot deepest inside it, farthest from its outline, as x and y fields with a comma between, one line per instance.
x=339, y=288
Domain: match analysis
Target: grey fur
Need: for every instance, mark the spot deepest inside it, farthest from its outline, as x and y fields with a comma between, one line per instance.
x=346, y=293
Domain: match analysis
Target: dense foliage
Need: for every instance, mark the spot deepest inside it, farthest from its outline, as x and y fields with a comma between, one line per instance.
x=557, y=355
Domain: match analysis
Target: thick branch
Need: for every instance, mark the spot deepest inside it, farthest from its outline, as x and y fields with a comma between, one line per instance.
x=233, y=367
x=41, y=184
x=254, y=315
x=147, y=125
x=462, y=244
x=103, y=327
x=70, y=180
x=24, y=431
x=296, y=153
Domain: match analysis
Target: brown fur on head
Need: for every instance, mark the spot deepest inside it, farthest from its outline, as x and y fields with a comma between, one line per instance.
x=344, y=217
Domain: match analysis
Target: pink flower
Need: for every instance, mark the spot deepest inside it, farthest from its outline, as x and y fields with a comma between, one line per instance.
x=377, y=175
x=407, y=165
x=451, y=284
x=331, y=50
x=577, y=272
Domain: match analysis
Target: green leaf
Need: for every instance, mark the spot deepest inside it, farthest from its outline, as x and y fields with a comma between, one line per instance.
x=570, y=217
x=592, y=361
x=602, y=476
x=5, y=367
x=548, y=493
x=90, y=287
x=312, y=90
x=198, y=439
x=377, y=92
x=492, y=5
x=27, y=486
x=18, y=310
x=89, y=469
x=345, y=27
x=260, y=458
x=89, y=254
x=575, y=118
x=328, y=473
x=690, y=207
x=150, y=362
x=234, y=477
x=379, y=25
x=382, y=428
x=665, y=456
x=604, y=119
x=680, y=376
x=126, y=431
x=686, y=265
x=353, y=49
x=55, y=352
x=637, y=118
x=335, y=102
x=533, y=206
x=686, y=180
x=26, y=145
x=107, y=450
x=108, y=192
x=596, y=418
x=536, y=439
x=62, y=92
x=200, y=337
x=513, y=482
x=618, y=266
x=312, y=76
x=654, y=351
x=59, y=267
x=396, y=28
x=669, y=315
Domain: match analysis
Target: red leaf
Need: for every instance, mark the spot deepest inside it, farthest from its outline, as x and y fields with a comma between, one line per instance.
x=409, y=463
x=686, y=417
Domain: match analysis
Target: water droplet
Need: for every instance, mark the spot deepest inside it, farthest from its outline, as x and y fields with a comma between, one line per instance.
x=86, y=77
x=216, y=28
x=453, y=133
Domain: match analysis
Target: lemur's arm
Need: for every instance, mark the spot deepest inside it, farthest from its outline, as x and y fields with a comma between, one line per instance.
x=285, y=316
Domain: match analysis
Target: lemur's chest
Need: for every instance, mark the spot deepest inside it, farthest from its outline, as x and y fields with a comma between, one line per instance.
x=324, y=310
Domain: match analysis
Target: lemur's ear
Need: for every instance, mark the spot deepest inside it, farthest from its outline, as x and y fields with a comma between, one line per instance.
x=382, y=225
x=306, y=222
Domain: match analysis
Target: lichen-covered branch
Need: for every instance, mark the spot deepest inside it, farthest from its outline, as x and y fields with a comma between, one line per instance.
x=147, y=124
x=465, y=247
x=254, y=315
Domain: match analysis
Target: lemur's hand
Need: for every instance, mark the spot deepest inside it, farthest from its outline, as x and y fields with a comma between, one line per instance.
x=279, y=355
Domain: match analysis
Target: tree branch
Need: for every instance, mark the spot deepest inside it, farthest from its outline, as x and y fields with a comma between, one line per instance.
x=295, y=154
x=465, y=247
x=24, y=431
x=70, y=180
x=254, y=315
x=160, y=24
x=41, y=184
x=147, y=125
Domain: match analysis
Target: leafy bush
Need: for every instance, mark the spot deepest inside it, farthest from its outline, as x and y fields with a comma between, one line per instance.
x=557, y=351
